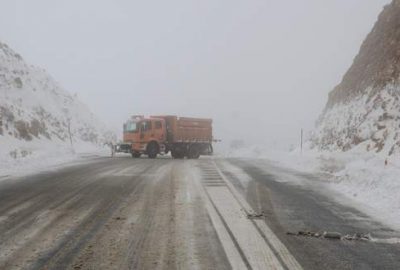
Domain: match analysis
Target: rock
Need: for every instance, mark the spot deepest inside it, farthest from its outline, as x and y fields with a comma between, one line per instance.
x=333, y=235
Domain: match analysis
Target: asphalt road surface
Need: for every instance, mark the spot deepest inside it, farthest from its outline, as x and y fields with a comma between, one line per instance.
x=124, y=213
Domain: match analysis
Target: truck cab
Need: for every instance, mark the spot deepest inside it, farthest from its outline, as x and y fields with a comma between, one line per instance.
x=145, y=135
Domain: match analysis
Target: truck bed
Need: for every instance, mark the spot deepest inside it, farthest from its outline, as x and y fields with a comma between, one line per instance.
x=185, y=129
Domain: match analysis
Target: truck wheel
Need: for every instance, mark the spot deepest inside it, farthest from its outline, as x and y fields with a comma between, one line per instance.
x=194, y=152
x=136, y=154
x=152, y=150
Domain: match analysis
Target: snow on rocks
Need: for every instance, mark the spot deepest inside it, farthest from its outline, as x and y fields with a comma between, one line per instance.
x=370, y=122
x=39, y=119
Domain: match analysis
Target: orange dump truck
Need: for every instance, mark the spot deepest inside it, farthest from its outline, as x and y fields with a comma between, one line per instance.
x=182, y=136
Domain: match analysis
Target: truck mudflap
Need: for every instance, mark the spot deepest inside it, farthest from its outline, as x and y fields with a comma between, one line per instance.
x=211, y=150
x=207, y=150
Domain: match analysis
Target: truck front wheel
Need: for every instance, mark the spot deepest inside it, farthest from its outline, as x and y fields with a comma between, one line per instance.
x=152, y=150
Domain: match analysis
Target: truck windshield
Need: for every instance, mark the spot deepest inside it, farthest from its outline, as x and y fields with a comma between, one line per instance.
x=130, y=127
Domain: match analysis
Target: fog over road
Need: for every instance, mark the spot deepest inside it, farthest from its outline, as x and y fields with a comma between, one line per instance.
x=211, y=213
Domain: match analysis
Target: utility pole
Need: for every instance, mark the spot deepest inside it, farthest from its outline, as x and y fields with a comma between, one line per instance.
x=301, y=141
x=70, y=133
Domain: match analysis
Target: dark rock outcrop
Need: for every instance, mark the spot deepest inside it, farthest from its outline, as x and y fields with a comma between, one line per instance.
x=363, y=111
x=378, y=62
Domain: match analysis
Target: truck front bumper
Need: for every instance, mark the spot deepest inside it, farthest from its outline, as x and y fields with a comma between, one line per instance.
x=123, y=148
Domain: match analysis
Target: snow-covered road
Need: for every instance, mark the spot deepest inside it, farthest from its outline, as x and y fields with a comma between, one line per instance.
x=124, y=213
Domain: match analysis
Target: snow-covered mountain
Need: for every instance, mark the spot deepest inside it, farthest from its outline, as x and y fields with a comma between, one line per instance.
x=36, y=113
x=363, y=111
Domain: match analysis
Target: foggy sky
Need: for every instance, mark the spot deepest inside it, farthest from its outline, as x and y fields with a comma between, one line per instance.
x=261, y=69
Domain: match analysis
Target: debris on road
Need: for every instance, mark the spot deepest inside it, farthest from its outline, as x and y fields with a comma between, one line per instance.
x=332, y=235
x=255, y=215
x=358, y=236
x=310, y=234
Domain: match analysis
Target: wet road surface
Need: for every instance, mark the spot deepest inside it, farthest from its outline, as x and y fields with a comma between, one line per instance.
x=124, y=213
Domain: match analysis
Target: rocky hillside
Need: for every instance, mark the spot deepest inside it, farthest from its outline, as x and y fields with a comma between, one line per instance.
x=363, y=111
x=34, y=108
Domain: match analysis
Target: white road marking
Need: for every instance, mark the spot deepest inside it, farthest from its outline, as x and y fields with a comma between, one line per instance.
x=257, y=252
x=279, y=247
x=231, y=251
x=251, y=241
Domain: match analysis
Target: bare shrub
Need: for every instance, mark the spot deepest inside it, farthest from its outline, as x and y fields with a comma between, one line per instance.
x=23, y=130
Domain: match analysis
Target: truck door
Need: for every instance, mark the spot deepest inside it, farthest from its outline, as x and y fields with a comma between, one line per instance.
x=159, y=131
x=145, y=132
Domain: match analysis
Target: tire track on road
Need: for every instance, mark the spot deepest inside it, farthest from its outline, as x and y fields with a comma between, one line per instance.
x=60, y=207
x=62, y=255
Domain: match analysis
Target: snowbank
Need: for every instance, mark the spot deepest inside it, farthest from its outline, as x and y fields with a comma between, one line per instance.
x=18, y=159
x=370, y=180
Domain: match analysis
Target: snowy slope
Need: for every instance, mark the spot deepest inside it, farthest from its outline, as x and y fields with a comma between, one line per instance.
x=370, y=122
x=38, y=116
x=357, y=138
x=363, y=111
x=355, y=147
